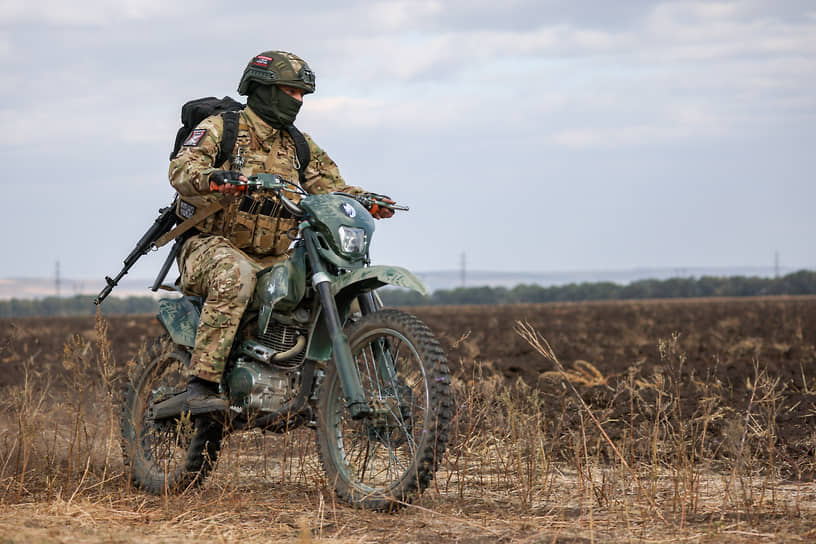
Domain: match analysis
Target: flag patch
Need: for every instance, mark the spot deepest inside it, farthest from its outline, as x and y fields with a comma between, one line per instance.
x=261, y=60
x=186, y=210
x=195, y=137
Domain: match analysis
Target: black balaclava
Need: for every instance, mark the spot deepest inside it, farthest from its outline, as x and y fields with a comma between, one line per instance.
x=274, y=106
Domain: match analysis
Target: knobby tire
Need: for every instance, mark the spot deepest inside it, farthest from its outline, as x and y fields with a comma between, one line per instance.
x=192, y=444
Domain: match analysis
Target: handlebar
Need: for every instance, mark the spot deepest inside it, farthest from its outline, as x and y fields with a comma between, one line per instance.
x=293, y=208
x=275, y=183
x=278, y=184
x=369, y=200
x=266, y=181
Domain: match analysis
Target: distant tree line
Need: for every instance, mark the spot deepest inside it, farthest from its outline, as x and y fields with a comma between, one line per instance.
x=75, y=305
x=802, y=282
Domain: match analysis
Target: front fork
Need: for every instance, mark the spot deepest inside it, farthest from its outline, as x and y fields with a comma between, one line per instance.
x=349, y=378
x=367, y=303
x=382, y=348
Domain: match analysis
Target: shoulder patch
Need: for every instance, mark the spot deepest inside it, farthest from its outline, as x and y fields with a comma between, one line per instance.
x=195, y=137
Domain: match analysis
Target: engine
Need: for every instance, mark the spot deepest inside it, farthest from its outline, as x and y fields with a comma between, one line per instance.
x=260, y=386
x=261, y=382
x=282, y=338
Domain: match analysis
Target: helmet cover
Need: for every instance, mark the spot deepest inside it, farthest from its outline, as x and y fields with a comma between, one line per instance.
x=277, y=68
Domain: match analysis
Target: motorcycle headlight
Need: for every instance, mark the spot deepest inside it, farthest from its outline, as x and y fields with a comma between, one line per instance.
x=352, y=239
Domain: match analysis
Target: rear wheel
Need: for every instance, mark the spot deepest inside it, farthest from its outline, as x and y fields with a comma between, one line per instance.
x=171, y=454
x=383, y=461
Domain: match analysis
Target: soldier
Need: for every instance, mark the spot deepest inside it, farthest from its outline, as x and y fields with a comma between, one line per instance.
x=220, y=261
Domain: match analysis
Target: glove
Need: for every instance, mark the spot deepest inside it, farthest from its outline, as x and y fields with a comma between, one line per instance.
x=219, y=178
x=378, y=212
x=369, y=200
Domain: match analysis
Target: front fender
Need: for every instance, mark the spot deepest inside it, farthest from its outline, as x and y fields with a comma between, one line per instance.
x=348, y=287
x=373, y=277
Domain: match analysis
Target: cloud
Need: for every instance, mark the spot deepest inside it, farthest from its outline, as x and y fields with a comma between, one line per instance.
x=674, y=123
x=445, y=55
x=407, y=114
x=399, y=14
x=588, y=138
x=84, y=12
x=668, y=33
x=701, y=31
x=94, y=117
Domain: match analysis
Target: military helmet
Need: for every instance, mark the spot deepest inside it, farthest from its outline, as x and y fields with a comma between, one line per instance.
x=277, y=68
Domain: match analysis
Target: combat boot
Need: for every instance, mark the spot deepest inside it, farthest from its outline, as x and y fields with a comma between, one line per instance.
x=203, y=397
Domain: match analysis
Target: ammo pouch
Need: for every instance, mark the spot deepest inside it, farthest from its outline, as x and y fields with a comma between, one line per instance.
x=282, y=240
x=265, y=230
x=259, y=225
x=241, y=223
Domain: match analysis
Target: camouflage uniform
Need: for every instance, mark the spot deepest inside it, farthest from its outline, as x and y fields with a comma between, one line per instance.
x=221, y=261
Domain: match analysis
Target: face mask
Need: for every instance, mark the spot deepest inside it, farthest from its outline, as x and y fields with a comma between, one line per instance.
x=274, y=106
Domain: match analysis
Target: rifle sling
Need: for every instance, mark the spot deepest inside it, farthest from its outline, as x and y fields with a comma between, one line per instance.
x=187, y=224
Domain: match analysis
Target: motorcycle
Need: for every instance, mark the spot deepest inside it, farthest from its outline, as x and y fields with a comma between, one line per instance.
x=373, y=383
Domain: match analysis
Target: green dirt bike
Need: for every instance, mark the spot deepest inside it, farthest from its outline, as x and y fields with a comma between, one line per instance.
x=374, y=384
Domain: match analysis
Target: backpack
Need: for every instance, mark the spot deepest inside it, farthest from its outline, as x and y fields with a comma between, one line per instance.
x=195, y=111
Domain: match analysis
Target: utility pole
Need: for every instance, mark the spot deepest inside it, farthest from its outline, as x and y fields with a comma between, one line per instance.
x=776, y=264
x=462, y=268
x=57, y=278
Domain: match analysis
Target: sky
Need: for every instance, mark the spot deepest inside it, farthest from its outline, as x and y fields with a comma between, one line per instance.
x=528, y=135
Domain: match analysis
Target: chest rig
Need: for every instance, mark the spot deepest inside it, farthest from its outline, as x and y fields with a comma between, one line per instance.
x=258, y=223
x=255, y=223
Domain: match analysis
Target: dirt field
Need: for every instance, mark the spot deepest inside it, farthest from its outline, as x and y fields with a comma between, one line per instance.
x=689, y=419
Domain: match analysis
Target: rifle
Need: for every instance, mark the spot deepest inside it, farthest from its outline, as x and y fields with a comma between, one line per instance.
x=166, y=220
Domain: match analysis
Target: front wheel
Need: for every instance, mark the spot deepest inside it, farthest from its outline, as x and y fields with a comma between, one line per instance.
x=384, y=460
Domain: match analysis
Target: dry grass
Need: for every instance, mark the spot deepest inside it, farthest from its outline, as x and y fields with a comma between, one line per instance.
x=582, y=457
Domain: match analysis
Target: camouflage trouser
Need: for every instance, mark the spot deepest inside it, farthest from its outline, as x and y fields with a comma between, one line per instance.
x=212, y=268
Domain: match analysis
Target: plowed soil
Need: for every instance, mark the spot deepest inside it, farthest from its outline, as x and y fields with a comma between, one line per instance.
x=722, y=347
x=723, y=341
x=731, y=382
x=727, y=333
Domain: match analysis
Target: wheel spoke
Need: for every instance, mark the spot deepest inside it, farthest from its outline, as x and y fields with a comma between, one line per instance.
x=393, y=456
x=371, y=460
x=370, y=365
x=395, y=356
x=409, y=439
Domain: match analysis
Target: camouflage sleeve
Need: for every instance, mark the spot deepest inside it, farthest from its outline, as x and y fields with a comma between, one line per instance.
x=190, y=170
x=322, y=174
